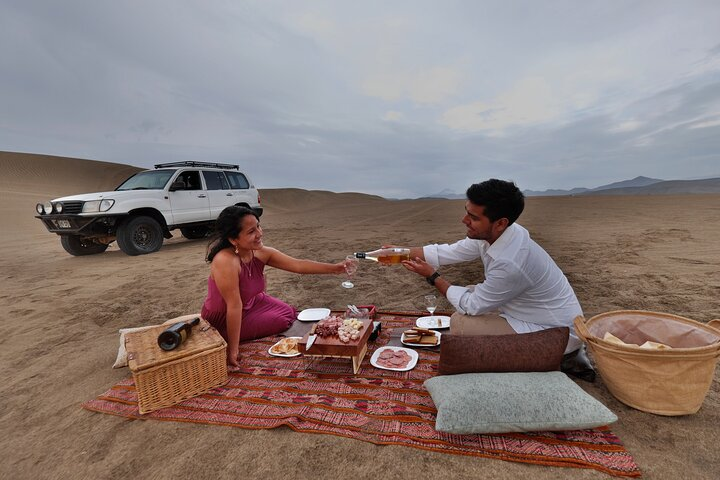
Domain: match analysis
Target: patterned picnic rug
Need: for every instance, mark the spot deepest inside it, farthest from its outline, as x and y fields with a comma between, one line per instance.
x=378, y=406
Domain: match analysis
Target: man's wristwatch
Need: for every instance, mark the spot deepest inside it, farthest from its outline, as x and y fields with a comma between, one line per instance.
x=431, y=279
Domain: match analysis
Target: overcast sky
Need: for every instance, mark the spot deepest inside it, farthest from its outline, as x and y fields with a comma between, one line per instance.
x=397, y=98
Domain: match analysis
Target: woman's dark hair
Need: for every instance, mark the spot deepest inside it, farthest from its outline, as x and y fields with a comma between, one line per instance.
x=228, y=225
x=501, y=199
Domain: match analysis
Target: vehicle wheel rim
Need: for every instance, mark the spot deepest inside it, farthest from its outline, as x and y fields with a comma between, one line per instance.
x=143, y=237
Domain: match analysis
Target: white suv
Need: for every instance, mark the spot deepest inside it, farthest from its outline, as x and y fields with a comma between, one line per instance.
x=146, y=206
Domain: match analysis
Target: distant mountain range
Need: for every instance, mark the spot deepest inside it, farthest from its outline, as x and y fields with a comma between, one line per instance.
x=636, y=186
x=446, y=193
x=668, y=187
x=637, y=182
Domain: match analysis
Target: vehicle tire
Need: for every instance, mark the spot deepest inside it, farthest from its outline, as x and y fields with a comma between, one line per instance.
x=139, y=235
x=193, y=233
x=78, y=246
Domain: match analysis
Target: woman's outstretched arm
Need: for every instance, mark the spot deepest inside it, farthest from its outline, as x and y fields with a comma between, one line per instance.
x=282, y=261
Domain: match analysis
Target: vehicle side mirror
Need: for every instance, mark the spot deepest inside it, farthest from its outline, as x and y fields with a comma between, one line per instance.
x=177, y=185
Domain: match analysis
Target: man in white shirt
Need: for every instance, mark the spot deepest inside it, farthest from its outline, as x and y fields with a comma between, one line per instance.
x=524, y=290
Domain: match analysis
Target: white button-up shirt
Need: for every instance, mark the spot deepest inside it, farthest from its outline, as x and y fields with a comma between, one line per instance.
x=521, y=281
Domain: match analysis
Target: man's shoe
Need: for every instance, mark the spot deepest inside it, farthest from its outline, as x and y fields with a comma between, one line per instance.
x=577, y=364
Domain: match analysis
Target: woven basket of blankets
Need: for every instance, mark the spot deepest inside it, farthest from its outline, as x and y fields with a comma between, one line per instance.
x=654, y=362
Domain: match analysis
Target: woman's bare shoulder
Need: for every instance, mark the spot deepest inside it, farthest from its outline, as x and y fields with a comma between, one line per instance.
x=265, y=253
x=223, y=260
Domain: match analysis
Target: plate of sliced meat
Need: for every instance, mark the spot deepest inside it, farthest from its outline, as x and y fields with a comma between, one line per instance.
x=394, y=358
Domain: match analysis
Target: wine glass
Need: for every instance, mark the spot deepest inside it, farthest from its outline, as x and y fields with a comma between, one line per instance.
x=351, y=266
x=431, y=305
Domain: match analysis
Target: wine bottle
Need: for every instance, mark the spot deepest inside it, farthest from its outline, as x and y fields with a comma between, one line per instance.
x=386, y=256
x=173, y=336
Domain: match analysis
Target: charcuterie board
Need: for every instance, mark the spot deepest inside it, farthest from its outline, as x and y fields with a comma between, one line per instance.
x=333, y=347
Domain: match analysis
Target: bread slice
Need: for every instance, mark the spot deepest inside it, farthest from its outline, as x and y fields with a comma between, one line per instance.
x=412, y=338
x=428, y=340
x=425, y=331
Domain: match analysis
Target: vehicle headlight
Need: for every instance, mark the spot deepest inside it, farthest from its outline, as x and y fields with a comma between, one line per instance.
x=98, y=205
x=48, y=208
x=39, y=208
x=58, y=207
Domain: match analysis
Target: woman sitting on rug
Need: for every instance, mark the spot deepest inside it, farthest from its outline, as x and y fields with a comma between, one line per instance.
x=236, y=304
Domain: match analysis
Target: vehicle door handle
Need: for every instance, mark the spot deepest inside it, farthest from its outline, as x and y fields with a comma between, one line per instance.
x=202, y=195
x=228, y=194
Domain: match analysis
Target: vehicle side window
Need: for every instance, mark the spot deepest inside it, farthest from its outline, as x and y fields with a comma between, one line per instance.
x=215, y=180
x=237, y=180
x=191, y=178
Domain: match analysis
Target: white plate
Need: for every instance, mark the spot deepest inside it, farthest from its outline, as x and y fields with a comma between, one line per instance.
x=413, y=358
x=402, y=340
x=283, y=354
x=432, y=322
x=313, y=314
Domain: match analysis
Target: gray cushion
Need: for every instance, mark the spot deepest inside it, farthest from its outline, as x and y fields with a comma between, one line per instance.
x=513, y=402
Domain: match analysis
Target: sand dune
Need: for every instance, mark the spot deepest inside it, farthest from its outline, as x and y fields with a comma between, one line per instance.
x=62, y=316
x=57, y=176
x=293, y=200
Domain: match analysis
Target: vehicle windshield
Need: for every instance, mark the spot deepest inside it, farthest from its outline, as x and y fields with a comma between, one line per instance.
x=149, y=180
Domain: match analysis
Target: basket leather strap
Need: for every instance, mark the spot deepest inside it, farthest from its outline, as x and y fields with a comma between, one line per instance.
x=714, y=324
x=581, y=328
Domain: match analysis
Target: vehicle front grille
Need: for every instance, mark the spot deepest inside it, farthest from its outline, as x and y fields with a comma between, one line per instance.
x=72, y=207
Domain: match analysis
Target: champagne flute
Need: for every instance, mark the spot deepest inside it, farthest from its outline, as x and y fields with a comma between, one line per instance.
x=351, y=266
x=431, y=305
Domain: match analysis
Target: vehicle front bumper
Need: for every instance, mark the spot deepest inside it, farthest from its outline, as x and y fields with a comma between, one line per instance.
x=80, y=225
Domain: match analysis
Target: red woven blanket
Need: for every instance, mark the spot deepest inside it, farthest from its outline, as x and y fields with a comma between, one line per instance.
x=378, y=406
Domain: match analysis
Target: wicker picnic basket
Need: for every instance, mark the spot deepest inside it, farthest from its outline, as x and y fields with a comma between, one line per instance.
x=665, y=382
x=164, y=378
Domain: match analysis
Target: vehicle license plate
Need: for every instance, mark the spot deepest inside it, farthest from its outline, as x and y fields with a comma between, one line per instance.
x=62, y=223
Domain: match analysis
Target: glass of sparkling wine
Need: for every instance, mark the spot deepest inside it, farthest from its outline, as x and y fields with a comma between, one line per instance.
x=351, y=266
x=431, y=305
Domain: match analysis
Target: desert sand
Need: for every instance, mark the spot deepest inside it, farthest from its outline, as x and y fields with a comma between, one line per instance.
x=62, y=315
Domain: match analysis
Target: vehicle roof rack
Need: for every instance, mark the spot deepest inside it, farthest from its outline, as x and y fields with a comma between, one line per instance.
x=226, y=166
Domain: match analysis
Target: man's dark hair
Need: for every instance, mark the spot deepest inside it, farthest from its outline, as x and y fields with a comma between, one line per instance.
x=500, y=199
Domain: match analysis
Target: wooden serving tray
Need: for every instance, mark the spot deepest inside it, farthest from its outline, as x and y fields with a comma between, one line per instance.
x=333, y=347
